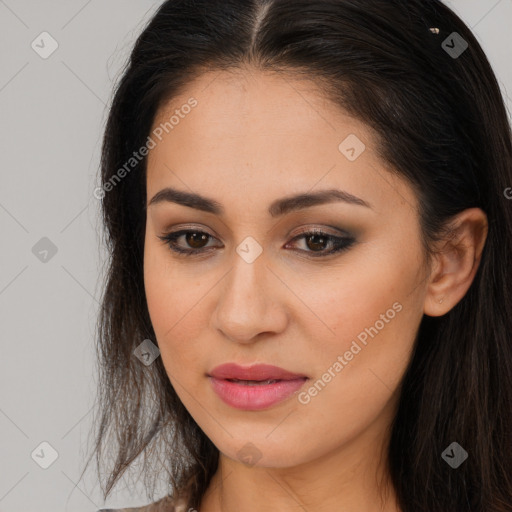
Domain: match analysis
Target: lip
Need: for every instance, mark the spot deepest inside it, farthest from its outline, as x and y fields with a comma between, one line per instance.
x=254, y=372
x=254, y=396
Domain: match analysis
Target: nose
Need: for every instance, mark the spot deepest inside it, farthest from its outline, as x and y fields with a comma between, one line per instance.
x=250, y=302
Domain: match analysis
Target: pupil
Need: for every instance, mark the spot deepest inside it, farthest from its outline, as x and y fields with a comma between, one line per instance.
x=196, y=238
x=319, y=245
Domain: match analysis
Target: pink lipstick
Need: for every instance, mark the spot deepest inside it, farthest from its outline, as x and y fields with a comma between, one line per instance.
x=255, y=387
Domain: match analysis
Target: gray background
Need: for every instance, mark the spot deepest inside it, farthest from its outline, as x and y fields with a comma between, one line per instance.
x=53, y=111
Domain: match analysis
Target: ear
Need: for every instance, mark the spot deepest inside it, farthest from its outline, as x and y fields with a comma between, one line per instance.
x=456, y=261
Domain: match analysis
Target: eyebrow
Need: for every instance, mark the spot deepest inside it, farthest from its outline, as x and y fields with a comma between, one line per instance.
x=277, y=208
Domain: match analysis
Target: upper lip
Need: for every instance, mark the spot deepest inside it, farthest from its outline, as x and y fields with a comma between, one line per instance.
x=254, y=372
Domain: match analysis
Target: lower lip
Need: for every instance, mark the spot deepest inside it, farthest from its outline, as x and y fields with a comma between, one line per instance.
x=255, y=397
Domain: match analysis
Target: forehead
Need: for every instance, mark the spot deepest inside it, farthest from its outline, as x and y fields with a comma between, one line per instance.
x=262, y=132
x=266, y=101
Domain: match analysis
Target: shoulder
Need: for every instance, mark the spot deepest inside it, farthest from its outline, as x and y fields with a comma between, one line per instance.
x=167, y=504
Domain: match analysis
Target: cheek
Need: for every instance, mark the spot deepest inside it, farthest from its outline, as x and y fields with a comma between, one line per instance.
x=343, y=303
x=174, y=300
x=356, y=370
x=368, y=313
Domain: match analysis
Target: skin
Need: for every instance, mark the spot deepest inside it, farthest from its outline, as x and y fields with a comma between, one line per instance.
x=253, y=138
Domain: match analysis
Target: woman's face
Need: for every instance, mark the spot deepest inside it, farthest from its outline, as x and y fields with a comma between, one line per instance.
x=257, y=289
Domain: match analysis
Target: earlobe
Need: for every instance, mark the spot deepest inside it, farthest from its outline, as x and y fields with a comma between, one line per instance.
x=457, y=259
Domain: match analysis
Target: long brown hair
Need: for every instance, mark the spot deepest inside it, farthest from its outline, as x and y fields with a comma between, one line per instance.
x=442, y=126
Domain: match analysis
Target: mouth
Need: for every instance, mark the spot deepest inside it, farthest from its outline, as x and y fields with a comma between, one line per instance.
x=254, y=388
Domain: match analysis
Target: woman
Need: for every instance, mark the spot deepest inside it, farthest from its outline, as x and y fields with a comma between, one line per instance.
x=309, y=293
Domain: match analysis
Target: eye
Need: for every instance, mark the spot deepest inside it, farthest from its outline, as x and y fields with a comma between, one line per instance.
x=316, y=242
x=194, y=238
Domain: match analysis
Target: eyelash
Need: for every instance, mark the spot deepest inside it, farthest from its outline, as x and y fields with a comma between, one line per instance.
x=340, y=243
